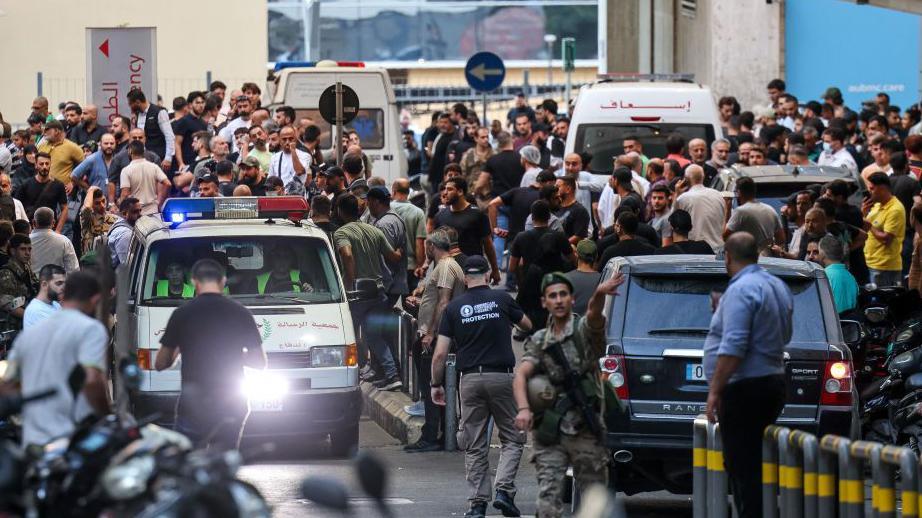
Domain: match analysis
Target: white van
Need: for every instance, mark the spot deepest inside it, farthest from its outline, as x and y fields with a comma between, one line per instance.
x=300, y=84
x=619, y=106
x=311, y=384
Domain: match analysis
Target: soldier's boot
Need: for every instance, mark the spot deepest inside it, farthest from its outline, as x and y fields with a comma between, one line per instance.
x=505, y=503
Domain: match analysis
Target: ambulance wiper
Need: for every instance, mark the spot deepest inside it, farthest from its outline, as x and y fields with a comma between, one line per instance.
x=269, y=296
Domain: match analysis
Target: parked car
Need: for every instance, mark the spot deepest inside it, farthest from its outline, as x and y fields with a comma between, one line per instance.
x=654, y=361
x=775, y=183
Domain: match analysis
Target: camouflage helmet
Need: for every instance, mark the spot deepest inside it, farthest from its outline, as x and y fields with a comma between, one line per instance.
x=542, y=394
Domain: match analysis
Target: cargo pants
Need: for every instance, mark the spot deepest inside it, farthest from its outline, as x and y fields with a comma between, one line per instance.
x=590, y=466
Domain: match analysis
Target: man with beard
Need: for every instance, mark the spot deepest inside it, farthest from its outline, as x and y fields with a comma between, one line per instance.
x=95, y=169
x=44, y=191
x=155, y=122
x=472, y=225
x=335, y=188
x=252, y=176
x=95, y=220
x=119, y=129
x=122, y=159
x=186, y=128
x=244, y=109
x=51, y=284
x=88, y=129
x=259, y=151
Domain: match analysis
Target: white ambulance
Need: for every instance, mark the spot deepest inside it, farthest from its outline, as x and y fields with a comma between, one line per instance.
x=299, y=85
x=311, y=383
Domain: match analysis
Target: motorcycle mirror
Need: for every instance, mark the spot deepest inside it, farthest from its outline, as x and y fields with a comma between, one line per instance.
x=326, y=492
x=851, y=331
x=372, y=475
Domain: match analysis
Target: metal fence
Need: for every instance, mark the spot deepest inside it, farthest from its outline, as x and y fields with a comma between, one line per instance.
x=806, y=476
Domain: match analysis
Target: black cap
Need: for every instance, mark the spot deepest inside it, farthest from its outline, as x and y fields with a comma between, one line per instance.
x=379, y=193
x=333, y=171
x=208, y=178
x=476, y=264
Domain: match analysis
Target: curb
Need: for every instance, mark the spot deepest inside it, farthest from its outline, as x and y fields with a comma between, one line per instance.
x=385, y=408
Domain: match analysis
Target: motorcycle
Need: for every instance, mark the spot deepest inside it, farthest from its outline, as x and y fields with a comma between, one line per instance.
x=881, y=400
x=880, y=313
x=12, y=460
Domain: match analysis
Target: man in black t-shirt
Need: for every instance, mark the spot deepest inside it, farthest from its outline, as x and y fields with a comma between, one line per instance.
x=186, y=127
x=42, y=190
x=626, y=228
x=504, y=169
x=517, y=202
x=480, y=324
x=217, y=337
x=574, y=217
x=472, y=225
x=681, y=224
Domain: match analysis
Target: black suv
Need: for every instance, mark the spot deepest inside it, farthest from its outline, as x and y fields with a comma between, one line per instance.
x=656, y=331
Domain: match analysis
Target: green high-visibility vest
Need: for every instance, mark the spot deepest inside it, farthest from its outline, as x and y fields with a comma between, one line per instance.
x=163, y=289
x=263, y=279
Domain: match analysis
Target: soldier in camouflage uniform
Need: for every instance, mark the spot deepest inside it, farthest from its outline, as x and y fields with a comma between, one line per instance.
x=561, y=435
x=18, y=284
x=95, y=220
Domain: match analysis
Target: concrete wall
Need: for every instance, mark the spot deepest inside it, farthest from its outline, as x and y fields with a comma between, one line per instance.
x=49, y=36
x=734, y=47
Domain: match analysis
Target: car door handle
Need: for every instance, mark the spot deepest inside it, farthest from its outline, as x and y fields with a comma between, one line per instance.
x=683, y=353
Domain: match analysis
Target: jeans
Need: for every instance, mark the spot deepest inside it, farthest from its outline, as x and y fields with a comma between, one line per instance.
x=884, y=278
x=367, y=315
x=747, y=407
x=435, y=414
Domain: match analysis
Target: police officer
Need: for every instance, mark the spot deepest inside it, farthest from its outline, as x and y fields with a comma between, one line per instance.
x=560, y=369
x=18, y=283
x=480, y=323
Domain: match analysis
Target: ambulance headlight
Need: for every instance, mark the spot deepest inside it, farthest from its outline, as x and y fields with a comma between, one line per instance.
x=263, y=385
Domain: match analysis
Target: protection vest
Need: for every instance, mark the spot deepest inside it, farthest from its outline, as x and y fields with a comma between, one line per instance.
x=263, y=279
x=163, y=289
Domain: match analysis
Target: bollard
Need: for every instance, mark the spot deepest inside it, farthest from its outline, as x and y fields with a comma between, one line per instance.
x=403, y=351
x=770, y=471
x=892, y=457
x=699, y=466
x=851, y=484
x=826, y=484
x=790, y=476
x=717, y=476
x=808, y=450
x=451, y=404
x=868, y=454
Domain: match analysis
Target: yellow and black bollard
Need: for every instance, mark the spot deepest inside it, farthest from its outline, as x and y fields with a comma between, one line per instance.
x=700, y=467
x=770, y=471
x=851, y=485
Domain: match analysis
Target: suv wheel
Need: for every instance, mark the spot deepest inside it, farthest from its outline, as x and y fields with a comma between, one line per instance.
x=345, y=442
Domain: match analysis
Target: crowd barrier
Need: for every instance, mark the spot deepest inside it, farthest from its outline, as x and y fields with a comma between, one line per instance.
x=806, y=476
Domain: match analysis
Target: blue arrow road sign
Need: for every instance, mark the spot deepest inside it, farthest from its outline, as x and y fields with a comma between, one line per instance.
x=485, y=71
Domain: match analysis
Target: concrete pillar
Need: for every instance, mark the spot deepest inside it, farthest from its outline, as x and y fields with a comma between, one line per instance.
x=618, y=36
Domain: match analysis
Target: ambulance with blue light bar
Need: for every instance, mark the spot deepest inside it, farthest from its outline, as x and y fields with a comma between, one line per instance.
x=283, y=269
x=299, y=85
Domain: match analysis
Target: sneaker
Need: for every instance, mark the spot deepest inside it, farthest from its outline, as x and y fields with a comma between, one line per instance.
x=369, y=376
x=417, y=409
x=505, y=503
x=422, y=446
x=477, y=510
x=392, y=383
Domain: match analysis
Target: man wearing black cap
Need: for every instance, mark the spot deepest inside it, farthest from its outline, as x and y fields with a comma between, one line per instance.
x=480, y=323
x=252, y=176
x=208, y=186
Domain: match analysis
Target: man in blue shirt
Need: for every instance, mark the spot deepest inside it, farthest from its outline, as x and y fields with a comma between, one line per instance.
x=95, y=169
x=744, y=365
x=841, y=281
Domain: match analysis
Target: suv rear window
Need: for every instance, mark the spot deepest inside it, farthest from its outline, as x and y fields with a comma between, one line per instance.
x=605, y=141
x=272, y=269
x=690, y=300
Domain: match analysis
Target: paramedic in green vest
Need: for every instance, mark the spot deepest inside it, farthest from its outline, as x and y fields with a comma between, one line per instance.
x=175, y=285
x=283, y=275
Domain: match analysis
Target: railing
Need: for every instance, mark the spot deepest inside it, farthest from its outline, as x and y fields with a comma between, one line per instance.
x=803, y=476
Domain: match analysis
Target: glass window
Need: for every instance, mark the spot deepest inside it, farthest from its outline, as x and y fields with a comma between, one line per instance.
x=605, y=141
x=693, y=296
x=411, y=30
x=369, y=124
x=272, y=269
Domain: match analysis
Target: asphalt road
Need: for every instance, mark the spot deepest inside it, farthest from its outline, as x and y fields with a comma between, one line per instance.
x=424, y=485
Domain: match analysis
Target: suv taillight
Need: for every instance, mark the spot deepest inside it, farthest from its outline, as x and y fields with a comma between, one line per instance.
x=837, y=384
x=614, y=372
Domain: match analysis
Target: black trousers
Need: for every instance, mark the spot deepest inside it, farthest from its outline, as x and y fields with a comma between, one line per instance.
x=435, y=414
x=747, y=407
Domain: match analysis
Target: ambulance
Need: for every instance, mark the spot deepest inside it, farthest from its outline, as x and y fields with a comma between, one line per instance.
x=283, y=269
x=299, y=85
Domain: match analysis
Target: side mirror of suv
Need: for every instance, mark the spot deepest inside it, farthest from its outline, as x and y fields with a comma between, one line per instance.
x=365, y=289
x=851, y=332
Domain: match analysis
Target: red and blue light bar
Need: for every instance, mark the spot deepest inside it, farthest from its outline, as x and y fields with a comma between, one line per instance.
x=179, y=210
x=281, y=65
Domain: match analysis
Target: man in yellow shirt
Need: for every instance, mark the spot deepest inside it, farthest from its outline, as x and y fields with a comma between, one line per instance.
x=65, y=155
x=885, y=223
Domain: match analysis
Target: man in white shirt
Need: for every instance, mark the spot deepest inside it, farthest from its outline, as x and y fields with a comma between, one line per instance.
x=144, y=180
x=705, y=205
x=6, y=187
x=51, y=286
x=290, y=162
x=834, y=152
x=49, y=247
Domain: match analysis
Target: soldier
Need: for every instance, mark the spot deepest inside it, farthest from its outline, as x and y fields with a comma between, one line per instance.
x=18, y=284
x=563, y=358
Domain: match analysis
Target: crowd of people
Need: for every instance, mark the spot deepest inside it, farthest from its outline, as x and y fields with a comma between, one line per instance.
x=494, y=199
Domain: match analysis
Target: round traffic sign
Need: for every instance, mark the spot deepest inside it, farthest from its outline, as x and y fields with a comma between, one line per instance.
x=327, y=104
x=485, y=71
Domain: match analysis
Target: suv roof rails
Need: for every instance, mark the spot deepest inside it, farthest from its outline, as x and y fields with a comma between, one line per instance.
x=615, y=77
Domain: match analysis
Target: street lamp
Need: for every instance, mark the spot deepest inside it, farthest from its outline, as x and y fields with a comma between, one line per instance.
x=550, y=39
